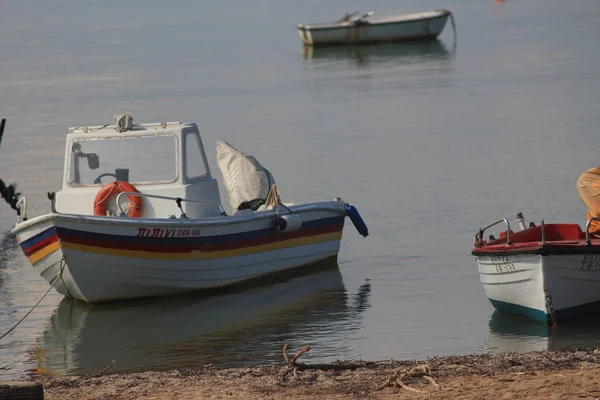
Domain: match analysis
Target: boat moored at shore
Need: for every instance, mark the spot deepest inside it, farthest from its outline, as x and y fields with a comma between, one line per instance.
x=159, y=228
x=549, y=272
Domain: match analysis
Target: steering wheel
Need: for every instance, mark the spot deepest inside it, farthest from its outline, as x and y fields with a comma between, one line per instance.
x=99, y=178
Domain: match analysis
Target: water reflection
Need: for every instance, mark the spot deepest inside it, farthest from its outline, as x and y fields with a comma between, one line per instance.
x=239, y=328
x=8, y=247
x=363, y=55
x=510, y=333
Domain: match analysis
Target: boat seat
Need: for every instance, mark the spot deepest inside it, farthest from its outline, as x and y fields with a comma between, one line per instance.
x=552, y=232
x=556, y=232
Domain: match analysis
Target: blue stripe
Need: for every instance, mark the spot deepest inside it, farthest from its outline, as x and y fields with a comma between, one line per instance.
x=233, y=237
x=37, y=238
x=561, y=315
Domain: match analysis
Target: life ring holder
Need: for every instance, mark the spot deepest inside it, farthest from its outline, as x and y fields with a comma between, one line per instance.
x=112, y=189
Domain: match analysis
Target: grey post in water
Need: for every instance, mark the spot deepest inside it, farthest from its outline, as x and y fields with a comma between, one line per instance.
x=2, y=123
x=8, y=193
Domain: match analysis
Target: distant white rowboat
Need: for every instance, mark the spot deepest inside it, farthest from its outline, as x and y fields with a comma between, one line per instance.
x=365, y=29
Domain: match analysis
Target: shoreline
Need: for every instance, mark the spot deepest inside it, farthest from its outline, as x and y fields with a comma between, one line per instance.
x=543, y=374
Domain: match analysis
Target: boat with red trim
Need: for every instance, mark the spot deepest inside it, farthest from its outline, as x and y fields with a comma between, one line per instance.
x=123, y=239
x=549, y=272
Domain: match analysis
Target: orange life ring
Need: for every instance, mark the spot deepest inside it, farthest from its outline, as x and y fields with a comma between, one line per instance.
x=113, y=189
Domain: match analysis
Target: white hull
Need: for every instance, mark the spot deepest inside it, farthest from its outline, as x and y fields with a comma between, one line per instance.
x=534, y=285
x=427, y=25
x=106, y=258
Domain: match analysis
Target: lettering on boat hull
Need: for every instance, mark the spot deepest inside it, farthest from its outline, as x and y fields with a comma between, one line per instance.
x=168, y=232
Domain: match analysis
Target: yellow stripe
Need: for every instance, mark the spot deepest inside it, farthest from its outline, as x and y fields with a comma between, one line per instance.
x=206, y=255
x=38, y=255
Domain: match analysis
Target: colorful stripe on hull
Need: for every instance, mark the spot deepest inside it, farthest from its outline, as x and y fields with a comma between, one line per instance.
x=185, y=248
x=41, y=245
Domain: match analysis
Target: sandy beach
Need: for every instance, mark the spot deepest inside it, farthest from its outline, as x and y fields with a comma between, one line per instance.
x=564, y=374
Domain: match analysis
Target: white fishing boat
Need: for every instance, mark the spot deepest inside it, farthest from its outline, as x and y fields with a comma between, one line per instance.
x=364, y=28
x=159, y=228
x=549, y=272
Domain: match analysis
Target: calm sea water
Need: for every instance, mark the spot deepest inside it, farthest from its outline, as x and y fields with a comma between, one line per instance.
x=429, y=141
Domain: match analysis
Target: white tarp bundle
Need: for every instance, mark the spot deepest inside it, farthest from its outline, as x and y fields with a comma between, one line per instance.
x=245, y=179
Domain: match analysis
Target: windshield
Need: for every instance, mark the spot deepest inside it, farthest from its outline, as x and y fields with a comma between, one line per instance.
x=142, y=159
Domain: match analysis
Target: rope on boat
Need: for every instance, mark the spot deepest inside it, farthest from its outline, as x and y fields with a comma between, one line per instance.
x=56, y=278
x=550, y=307
x=62, y=279
x=453, y=29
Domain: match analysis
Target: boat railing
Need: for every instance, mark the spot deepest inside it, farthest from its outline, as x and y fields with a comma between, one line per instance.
x=368, y=14
x=587, y=230
x=177, y=200
x=347, y=17
x=21, y=209
x=479, y=235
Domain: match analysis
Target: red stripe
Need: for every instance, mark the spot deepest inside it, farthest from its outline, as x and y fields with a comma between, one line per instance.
x=40, y=245
x=205, y=247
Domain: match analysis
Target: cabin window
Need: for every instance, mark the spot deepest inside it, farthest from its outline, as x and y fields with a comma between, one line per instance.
x=138, y=160
x=195, y=164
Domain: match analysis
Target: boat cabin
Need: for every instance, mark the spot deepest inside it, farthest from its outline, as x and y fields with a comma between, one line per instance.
x=163, y=161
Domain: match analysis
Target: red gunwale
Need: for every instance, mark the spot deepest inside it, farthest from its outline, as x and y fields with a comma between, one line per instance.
x=559, y=239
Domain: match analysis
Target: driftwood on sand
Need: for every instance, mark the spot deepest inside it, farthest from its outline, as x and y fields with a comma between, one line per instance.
x=468, y=377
